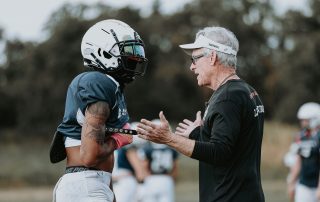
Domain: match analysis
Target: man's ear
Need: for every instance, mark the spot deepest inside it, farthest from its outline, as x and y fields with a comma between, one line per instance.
x=213, y=57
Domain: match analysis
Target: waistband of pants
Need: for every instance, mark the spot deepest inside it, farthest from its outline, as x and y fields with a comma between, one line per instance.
x=75, y=169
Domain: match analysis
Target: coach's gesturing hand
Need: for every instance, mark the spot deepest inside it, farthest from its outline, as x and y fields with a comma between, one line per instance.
x=158, y=133
x=186, y=127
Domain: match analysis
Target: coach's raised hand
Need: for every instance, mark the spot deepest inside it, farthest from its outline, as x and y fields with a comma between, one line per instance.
x=158, y=133
x=186, y=127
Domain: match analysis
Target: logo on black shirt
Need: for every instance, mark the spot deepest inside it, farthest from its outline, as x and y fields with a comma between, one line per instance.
x=258, y=110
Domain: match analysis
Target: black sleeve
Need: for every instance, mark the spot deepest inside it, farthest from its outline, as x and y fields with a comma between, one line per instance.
x=224, y=133
x=194, y=135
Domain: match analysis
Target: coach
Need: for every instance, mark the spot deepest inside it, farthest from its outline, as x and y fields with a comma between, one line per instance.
x=227, y=139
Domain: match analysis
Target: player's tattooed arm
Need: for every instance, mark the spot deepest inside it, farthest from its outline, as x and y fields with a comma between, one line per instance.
x=95, y=147
x=95, y=118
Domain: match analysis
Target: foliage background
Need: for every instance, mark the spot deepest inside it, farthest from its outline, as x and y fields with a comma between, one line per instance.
x=279, y=56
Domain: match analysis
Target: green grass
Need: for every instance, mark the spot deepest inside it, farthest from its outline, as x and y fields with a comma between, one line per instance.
x=186, y=191
x=27, y=175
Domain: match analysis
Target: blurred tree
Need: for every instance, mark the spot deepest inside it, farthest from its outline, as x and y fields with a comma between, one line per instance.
x=7, y=107
x=298, y=62
x=274, y=55
x=166, y=32
x=38, y=75
x=1, y=33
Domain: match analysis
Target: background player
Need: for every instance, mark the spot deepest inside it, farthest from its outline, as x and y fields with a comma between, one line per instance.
x=303, y=179
x=162, y=163
x=130, y=170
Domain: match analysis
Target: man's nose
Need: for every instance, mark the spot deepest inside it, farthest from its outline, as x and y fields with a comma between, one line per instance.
x=192, y=67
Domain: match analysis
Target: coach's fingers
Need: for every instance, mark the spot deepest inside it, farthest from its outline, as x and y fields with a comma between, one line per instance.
x=183, y=134
x=162, y=117
x=144, y=129
x=146, y=123
x=198, y=116
x=140, y=130
x=182, y=125
x=145, y=137
x=180, y=130
x=187, y=121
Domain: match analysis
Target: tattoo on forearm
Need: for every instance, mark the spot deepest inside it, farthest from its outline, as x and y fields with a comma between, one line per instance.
x=94, y=133
x=94, y=126
x=99, y=109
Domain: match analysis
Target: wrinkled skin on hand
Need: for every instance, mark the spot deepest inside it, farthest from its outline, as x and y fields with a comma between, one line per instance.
x=186, y=127
x=158, y=133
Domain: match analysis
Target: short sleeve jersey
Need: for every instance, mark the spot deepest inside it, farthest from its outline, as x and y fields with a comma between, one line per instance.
x=228, y=145
x=88, y=88
x=310, y=158
x=161, y=159
x=122, y=160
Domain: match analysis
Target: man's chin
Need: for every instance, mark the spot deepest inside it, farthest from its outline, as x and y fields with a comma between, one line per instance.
x=200, y=83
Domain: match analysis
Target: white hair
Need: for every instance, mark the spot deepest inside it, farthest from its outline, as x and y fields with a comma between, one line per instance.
x=225, y=37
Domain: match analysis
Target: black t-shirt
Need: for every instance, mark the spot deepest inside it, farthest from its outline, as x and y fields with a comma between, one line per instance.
x=228, y=145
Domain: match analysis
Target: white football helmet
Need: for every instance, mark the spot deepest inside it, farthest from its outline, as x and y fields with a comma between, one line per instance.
x=113, y=47
x=310, y=111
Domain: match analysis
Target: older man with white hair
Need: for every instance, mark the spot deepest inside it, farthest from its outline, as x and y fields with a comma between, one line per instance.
x=227, y=139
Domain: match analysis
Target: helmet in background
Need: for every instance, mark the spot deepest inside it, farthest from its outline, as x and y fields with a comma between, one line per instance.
x=310, y=111
x=114, y=48
x=315, y=122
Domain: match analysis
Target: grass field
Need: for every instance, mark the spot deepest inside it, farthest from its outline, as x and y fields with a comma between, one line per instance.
x=26, y=174
x=185, y=192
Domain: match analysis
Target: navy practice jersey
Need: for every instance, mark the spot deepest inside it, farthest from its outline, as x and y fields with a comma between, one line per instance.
x=310, y=158
x=161, y=158
x=88, y=88
x=122, y=159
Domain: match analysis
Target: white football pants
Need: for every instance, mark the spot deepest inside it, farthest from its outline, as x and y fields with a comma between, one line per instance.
x=158, y=188
x=305, y=194
x=85, y=186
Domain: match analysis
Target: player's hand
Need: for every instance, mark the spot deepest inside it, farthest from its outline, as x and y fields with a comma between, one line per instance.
x=158, y=133
x=141, y=175
x=122, y=139
x=291, y=191
x=318, y=193
x=186, y=127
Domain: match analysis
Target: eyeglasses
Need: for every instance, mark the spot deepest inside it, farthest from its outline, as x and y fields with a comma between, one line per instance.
x=197, y=57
